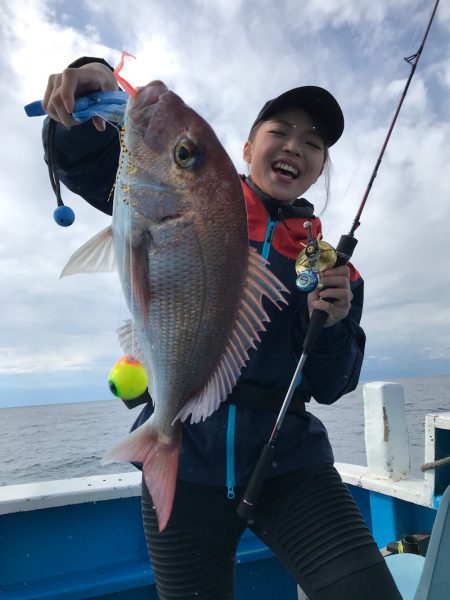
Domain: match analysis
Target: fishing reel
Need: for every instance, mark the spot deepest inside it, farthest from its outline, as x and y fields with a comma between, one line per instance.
x=318, y=256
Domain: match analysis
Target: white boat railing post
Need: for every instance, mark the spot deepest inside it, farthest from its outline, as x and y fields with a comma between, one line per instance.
x=437, y=448
x=386, y=431
x=430, y=455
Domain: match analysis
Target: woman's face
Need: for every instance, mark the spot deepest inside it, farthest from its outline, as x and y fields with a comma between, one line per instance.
x=286, y=155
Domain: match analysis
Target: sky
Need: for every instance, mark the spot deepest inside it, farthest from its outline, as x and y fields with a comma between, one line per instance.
x=225, y=58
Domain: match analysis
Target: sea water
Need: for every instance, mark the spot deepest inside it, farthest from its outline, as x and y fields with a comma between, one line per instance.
x=59, y=441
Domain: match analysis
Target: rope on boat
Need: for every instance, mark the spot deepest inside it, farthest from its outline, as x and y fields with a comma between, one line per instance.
x=442, y=462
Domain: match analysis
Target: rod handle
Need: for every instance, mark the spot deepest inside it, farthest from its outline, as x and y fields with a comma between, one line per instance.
x=253, y=489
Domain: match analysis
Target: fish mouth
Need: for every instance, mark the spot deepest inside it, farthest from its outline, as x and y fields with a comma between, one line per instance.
x=148, y=95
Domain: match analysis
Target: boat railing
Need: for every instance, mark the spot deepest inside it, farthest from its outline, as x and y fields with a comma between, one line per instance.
x=83, y=537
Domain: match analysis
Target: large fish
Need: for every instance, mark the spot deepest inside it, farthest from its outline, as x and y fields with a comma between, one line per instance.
x=193, y=286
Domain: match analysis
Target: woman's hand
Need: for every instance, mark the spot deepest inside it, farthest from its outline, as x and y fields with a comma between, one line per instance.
x=337, y=281
x=63, y=88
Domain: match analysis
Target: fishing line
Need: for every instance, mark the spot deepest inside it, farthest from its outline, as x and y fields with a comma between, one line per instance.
x=125, y=164
x=130, y=248
x=344, y=251
x=338, y=211
x=412, y=60
x=127, y=243
x=414, y=40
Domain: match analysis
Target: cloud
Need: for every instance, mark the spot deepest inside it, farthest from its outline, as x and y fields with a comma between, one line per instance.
x=226, y=58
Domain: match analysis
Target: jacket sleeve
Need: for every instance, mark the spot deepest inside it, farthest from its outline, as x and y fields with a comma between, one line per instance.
x=333, y=367
x=86, y=161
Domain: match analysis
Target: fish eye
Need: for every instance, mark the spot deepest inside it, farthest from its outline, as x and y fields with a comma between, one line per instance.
x=185, y=153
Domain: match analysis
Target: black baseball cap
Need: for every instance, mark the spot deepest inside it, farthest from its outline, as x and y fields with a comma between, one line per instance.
x=314, y=100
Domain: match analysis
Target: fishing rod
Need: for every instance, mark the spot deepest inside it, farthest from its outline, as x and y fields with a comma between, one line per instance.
x=307, y=280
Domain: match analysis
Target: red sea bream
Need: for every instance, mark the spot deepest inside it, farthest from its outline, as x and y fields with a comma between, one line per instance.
x=193, y=286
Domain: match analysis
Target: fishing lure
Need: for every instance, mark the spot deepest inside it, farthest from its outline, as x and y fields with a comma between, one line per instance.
x=109, y=105
x=123, y=82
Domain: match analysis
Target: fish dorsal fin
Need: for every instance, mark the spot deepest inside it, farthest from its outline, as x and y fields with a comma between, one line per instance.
x=128, y=341
x=251, y=318
x=97, y=255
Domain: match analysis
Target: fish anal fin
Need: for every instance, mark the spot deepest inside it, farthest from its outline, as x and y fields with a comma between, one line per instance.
x=129, y=343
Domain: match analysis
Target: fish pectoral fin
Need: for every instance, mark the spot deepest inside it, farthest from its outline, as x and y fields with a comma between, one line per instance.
x=139, y=276
x=97, y=255
x=250, y=321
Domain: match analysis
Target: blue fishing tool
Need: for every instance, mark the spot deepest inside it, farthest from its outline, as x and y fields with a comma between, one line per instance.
x=107, y=105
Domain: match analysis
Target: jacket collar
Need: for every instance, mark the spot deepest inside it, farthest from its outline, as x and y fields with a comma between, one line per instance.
x=278, y=210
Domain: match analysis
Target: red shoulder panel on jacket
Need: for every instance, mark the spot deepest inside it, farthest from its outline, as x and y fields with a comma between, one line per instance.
x=290, y=237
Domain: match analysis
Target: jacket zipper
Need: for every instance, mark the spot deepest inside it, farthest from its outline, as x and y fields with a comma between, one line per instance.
x=231, y=423
x=268, y=239
x=231, y=481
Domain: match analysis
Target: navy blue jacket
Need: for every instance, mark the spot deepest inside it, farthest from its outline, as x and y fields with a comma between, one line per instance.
x=223, y=449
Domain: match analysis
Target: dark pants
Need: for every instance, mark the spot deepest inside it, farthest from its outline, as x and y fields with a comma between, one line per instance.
x=307, y=518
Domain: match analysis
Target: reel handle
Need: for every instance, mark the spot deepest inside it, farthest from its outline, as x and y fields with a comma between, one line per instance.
x=344, y=251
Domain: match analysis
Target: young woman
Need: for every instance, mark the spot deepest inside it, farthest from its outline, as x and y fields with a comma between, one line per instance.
x=305, y=513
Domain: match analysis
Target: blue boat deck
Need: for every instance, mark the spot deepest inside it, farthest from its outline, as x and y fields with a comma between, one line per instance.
x=97, y=549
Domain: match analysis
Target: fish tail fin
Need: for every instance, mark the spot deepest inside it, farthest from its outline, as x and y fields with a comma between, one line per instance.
x=160, y=457
x=160, y=474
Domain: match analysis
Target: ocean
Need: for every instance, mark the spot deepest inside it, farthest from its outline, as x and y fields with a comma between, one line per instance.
x=59, y=441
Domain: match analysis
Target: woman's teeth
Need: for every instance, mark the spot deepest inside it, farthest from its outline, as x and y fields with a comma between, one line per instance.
x=285, y=169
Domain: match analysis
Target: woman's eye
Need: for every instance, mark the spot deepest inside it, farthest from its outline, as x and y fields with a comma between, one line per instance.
x=315, y=145
x=277, y=132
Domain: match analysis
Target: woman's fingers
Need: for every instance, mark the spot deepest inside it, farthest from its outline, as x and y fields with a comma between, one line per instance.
x=337, y=284
x=63, y=88
x=59, y=97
